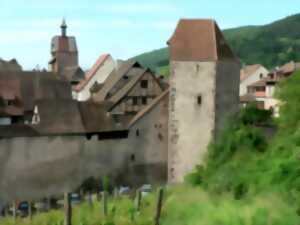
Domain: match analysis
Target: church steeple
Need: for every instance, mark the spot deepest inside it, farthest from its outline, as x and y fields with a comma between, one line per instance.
x=63, y=27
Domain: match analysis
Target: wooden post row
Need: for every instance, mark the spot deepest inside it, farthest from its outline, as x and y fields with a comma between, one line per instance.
x=104, y=203
x=159, y=206
x=68, y=209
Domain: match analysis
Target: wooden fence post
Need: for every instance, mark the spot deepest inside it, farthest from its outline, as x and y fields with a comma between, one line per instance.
x=48, y=204
x=104, y=203
x=68, y=209
x=14, y=210
x=6, y=210
x=90, y=200
x=30, y=210
x=138, y=199
x=159, y=205
x=116, y=193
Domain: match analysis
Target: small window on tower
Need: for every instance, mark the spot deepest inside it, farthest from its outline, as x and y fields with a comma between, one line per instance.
x=144, y=84
x=199, y=99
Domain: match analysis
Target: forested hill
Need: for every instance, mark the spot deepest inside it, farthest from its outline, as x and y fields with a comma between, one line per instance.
x=271, y=45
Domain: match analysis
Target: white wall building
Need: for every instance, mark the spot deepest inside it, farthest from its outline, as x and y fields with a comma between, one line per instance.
x=94, y=78
x=251, y=74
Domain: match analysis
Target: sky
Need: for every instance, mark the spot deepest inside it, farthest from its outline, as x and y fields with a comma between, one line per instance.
x=123, y=28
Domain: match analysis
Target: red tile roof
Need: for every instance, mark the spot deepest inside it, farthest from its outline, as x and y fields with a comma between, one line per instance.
x=199, y=40
x=91, y=73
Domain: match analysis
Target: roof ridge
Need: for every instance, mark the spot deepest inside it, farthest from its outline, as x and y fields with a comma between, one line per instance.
x=127, y=87
x=91, y=73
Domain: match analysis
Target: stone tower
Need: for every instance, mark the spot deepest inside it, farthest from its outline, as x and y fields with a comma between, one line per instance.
x=64, y=51
x=204, y=90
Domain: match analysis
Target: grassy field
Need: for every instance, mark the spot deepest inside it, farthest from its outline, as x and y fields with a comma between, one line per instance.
x=183, y=205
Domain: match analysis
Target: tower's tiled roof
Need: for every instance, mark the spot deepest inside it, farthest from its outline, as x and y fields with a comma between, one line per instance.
x=199, y=40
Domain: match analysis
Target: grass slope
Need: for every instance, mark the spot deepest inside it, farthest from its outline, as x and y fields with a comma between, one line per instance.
x=271, y=45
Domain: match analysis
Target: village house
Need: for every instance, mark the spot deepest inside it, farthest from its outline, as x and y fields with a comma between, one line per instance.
x=261, y=93
x=94, y=78
x=251, y=74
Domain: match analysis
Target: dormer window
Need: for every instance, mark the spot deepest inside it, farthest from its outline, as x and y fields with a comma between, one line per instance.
x=36, y=116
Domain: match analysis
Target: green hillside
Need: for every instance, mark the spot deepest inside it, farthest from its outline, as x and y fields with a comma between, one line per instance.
x=271, y=45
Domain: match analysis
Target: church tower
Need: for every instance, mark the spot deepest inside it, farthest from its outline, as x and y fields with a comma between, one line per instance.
x=204, y=90
x=64, y=52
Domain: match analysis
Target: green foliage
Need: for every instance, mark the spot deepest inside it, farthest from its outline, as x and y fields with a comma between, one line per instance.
x=271, y=45
x=105, y=183
x=154, y=59
x=253, y=116
x=232, y=159
x=192, y=206
x=163, y=71
x=240, y=134
x=289, y=93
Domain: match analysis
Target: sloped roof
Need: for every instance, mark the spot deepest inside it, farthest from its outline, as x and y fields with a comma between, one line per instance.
x=130, y=85
x=247, y=98
x=127, y=87
x=289, y=67
x=264, y=81
x=59, y=116
x=95, y=117
x=28, y=86
x=73, y=73
x=249, y=70
x=113, y=78
x=67, y=117
x=91, y=73
x=199, y=40
x=11, y=65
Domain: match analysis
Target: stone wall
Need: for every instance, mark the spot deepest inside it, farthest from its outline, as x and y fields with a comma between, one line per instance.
x=32, y=168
